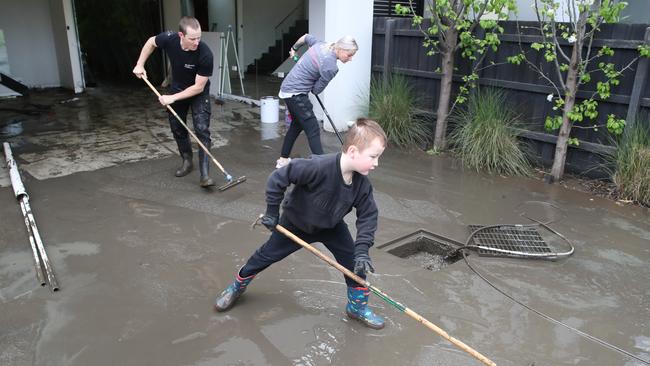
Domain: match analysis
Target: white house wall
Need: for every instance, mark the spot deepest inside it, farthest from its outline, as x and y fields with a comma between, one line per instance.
x=637, y=11
x=31, y=49
x=346, y=95
x=66, y=41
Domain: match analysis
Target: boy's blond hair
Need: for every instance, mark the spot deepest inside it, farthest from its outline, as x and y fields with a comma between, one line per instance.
x=362, y=133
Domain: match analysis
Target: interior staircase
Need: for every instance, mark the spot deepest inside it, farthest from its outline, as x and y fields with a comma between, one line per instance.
x=277, y=53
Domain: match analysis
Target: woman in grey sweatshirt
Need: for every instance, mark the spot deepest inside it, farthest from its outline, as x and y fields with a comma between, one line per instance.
x=312, y=73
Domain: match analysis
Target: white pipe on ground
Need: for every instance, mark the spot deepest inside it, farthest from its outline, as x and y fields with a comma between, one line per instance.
x=16, y=182
x=38, y=249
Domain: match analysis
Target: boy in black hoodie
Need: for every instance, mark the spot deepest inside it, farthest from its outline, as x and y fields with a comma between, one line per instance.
x=326, y=188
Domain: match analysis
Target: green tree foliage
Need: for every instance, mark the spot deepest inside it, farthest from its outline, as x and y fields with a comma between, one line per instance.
x=573, y=70
x=452, y=29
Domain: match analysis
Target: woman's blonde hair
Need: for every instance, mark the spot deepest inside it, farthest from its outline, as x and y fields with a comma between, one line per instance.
x=346, y=43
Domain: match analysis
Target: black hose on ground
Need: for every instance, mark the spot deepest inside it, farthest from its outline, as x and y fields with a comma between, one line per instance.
x=462, y=251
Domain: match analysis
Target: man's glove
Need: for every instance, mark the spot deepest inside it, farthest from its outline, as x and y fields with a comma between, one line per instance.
x=269, y=221
x=363, y=264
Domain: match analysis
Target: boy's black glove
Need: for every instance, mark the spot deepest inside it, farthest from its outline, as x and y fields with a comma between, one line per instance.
x=269, y=221
x=270, y=218
x=363, y=264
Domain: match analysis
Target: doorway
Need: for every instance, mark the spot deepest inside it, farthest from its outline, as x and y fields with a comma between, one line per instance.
x=112, y=34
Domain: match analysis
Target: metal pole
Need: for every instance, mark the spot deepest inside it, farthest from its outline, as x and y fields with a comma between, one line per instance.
x=221, y=50
x=234, y=47
x=51, y=279
x=32, y=243
x=329, y=118
x=19, y=192
x=34, y=236
x=385, y=297
x=226, y=64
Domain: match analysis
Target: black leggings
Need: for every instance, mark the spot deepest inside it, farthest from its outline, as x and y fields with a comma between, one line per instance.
x=302, y=112
x=337, y=240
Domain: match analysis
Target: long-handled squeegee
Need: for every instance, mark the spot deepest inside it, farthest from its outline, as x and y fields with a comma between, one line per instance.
x=230, y=182
x=486, y=361
x=330, y=118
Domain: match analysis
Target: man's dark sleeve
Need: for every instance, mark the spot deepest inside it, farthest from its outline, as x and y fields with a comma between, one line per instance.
x=163, y=38
x=206, y=64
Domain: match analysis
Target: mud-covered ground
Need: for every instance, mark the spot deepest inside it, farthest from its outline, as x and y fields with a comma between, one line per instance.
x=140, y=255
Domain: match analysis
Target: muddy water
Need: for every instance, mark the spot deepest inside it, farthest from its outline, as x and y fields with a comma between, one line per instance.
x=140, y=255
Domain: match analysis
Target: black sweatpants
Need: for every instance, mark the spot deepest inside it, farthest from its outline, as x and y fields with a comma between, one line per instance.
x=302, y=112
x=337, y=240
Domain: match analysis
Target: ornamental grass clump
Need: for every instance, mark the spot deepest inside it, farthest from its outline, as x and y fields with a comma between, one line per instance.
x=393, y=104
x=485, y=135
x=632, y=174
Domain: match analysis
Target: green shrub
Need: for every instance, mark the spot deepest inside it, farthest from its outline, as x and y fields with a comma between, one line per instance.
x=632, y=175
x=485, y=137
x=392, y=105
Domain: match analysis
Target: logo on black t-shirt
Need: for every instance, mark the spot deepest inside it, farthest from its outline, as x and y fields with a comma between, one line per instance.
x=189, y=66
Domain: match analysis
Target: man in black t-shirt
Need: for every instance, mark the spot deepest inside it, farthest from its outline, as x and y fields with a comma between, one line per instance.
x=191, y=63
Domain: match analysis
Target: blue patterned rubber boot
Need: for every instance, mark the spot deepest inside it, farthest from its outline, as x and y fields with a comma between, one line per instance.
x=228, y=297
x=358, y=309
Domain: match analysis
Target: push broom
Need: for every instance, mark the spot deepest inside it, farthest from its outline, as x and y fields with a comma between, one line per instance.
x=383, y=296
x=230, y=182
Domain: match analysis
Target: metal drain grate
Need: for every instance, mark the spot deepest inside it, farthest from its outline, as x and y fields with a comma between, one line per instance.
x=524, y=239
x=426, y=249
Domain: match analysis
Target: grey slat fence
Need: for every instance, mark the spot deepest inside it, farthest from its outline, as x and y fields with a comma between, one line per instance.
x=397, y=47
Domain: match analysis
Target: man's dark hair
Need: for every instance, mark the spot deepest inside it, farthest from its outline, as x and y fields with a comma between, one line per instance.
x=188, y=22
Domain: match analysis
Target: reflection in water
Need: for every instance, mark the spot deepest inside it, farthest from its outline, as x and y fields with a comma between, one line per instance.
x=269, y=131
x=14, y=128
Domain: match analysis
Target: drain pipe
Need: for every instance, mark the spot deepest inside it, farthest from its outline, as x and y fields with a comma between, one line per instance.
x=38, y=249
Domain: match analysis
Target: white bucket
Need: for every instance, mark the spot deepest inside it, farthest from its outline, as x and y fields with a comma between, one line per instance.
x=270, y=109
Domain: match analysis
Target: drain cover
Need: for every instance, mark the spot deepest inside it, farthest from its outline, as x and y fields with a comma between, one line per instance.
x=426, y=249
x=524, y=239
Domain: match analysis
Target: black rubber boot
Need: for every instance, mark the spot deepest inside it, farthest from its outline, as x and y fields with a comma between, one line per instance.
x=186, y=166
x=204, y=168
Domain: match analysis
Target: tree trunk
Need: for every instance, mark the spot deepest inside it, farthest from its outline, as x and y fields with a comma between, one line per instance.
x=444, y=97
x=569, y=101
x=571, y=88
x=562, y=144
